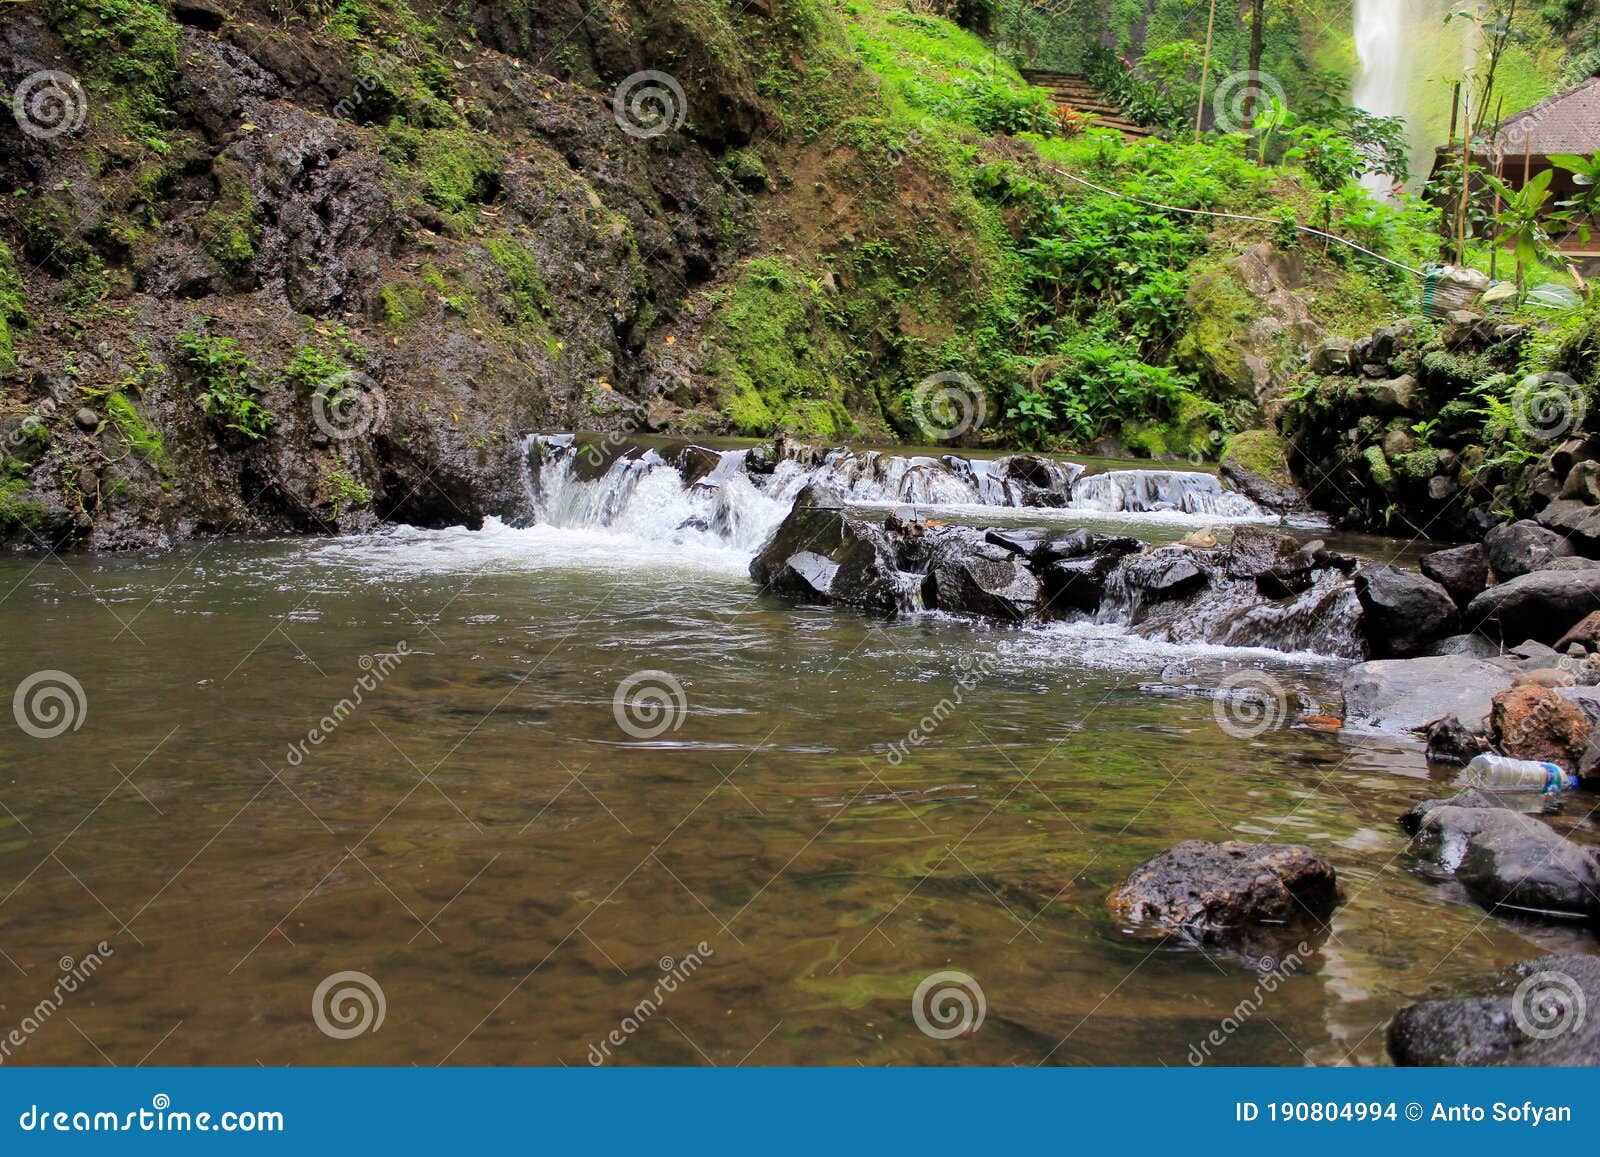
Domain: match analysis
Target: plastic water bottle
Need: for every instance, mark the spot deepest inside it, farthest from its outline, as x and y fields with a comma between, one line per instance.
x=1502, y=773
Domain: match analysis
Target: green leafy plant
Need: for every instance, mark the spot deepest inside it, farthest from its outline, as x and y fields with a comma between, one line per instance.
x=226, y=382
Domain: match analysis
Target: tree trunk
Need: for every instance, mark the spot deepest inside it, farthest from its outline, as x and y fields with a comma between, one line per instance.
x=1258, y=45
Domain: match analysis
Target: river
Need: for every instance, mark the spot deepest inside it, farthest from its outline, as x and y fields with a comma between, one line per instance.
x=404, y=755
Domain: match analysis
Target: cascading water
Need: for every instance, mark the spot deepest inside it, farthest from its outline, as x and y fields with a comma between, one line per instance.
x=1158, y=491
x=1380, y=88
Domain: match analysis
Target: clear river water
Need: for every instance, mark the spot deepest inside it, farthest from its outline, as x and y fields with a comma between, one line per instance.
x=515, y=857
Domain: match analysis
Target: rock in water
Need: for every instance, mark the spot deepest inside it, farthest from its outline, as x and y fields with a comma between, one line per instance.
x=1410, y=694
x=1532, y=721
x=1449, y=741
x=1403, y=611
x=1506, y=859
x=1461, y=570
x=1519, y=548
x=1230, y=894
x=1543, y=605
x=1538, y=1012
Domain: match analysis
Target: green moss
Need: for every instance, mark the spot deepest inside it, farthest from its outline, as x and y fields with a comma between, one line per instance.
x=130, y=49
x=344, y=489
x=402, y=303
x=1260, y=452
x=777, y=363
x=16, y=512
x=1378, y=470
x=1220, y=309
x=13, y=309
x=229, y=231
x=458, y=169
x=1418, y=465
x=529, y=299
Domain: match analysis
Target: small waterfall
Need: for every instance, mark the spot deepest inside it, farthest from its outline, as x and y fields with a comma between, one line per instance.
x=728, y=499
x=645, y=495
x=1151, y=491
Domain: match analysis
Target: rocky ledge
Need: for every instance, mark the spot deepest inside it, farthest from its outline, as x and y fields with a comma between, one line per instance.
x=1264, y=588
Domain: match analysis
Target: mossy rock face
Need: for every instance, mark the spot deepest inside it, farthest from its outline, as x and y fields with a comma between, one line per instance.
x=1259, y=452
x=402, y=303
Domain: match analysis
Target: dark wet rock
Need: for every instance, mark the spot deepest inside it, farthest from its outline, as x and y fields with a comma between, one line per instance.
x=1079, y=543
x=1449, y=741
x=86, y=419
x=1078, y=584
x=1585, y=632
x=1462, y=570
x=1537, y=1012
x=1574, y=520
x=806, y=575
x=1410, y=694
x=1039, y=481
x=761, y=460
x=1474, y=645
x=1518, y=548
x=815, y=524
x=1227, y=894
x=1292, y=574
x=1543, y=605
x=1403, y=611
x=969, y=583
x=1164, y=573
x=1411, y=821
x=695, y=463
x=1582, y=483
x=1571, y=562
x=1505, y=859
x=1019, y=542
x=1253, y=551
x=1532, y=721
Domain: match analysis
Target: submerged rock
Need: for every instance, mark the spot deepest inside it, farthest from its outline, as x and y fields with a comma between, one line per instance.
x=1449, y=741
x=1229, y=894
x=1506, y=859
x=1538, y=1012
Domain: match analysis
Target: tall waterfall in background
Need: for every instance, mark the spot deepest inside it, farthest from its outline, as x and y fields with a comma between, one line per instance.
x=1380, y=36
x=1381, y=88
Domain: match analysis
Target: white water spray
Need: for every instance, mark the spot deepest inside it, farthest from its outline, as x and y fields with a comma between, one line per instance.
x=1380, y=37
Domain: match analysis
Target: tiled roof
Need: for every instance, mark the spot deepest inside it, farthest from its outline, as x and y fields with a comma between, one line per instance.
x=1568, y=122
